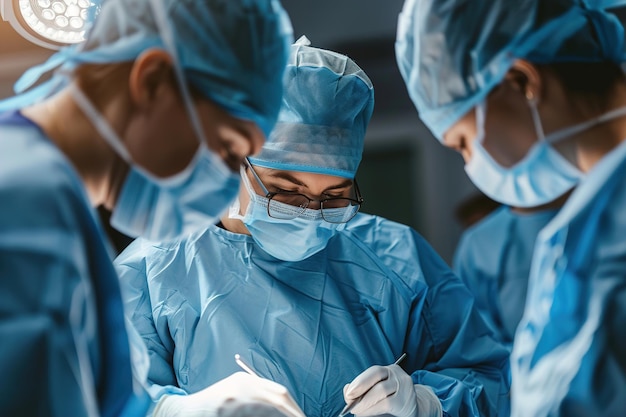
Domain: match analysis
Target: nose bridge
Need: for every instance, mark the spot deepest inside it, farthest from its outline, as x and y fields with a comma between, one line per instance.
x=316, y=193
x=314, y=204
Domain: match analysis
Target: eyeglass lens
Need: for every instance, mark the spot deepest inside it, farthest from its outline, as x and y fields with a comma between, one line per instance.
x=289, y=206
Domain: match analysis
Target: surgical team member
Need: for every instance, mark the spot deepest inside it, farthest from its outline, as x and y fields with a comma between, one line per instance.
x=145, y=117
x=311, y=294
x=493, y=259
x=534, y=98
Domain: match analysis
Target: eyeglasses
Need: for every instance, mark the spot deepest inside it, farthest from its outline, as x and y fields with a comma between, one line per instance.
x=287, y=205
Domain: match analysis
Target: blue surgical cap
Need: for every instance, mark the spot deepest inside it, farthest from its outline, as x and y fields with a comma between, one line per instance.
x=452, y=53
x=231, y=51
x=327, y=104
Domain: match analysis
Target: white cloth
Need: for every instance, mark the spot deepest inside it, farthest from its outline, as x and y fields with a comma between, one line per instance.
x=218, y=399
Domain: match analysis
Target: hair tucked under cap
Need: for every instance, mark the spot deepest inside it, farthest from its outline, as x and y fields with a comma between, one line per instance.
x=327, y=104
x=452, y=53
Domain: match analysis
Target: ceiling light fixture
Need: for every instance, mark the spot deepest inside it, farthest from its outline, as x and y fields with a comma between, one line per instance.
x=48, y=23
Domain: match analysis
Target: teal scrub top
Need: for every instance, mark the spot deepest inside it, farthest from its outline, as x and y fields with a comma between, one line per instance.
x=64, y=349
x=493, y=259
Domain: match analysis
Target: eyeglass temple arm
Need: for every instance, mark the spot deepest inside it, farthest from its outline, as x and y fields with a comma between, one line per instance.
x=256, y=177
x=359, y=197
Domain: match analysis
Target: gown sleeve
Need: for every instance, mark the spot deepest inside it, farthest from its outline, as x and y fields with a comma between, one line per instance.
x=466, y=366
x=48, y=328
x=449, y=346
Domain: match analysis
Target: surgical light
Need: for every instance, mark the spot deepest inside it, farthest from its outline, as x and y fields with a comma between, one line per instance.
x=48, y=23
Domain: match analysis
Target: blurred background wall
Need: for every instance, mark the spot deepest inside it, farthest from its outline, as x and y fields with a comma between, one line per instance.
x=406, y=175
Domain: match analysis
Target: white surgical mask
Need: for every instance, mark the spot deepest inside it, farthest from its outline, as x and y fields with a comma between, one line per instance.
x=540, y=177
x=288, y=240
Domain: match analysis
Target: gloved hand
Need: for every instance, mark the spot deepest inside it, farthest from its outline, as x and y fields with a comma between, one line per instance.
x=253, y=409
x=239, y=390
x=389, y=390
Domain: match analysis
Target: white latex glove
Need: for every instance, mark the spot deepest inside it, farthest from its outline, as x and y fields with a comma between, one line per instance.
x=238, y=393
x=389, y=390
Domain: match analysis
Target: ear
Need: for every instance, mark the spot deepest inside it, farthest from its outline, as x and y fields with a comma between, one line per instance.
x=151, y=71
x=525, y=78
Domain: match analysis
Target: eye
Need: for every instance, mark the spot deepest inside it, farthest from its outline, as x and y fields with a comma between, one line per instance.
x=276, y=189
x=233, y=149
x=337, y=193
x=231, y=159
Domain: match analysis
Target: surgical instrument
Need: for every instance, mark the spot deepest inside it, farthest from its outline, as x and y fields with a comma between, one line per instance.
x=350, y=406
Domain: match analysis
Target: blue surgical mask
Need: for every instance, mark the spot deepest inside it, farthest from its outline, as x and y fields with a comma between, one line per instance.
x=540, y=177
x=166, y=208
x=288, y=240
x=161, y=210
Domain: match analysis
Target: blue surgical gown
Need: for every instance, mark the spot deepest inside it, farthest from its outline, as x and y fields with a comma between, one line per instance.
x=493, y=259
x=64, y=349
x=377, y=290
x=569, y=354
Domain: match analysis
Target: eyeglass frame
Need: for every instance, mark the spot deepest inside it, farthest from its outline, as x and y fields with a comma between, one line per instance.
x=270, y=195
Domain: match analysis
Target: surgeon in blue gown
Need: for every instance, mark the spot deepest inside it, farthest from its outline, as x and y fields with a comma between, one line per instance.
x=115, y=126
x=534, y=98
x=493, y=259
x=310, y=293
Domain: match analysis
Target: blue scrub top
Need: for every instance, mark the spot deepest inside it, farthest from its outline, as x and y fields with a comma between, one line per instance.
x=493, y=259
x=377, y=290
x=64, y=349
x=569, y=355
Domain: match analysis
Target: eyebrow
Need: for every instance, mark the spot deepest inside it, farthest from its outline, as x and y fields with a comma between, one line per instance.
x=286, y=176
x=346, y=183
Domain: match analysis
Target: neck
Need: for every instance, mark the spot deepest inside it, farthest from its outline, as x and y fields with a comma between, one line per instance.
x=553, y=205
x=234, y=225
x=99, y=167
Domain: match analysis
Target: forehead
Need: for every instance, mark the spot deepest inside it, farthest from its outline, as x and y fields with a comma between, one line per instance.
x=305, y=179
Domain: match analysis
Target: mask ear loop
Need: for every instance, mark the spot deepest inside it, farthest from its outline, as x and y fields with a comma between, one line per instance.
x=481, y=118
x=167, y=34
x=567, y=132
x=534, y=111
x=99, y=123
